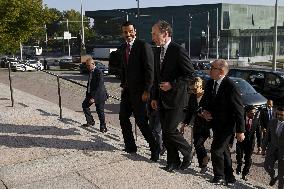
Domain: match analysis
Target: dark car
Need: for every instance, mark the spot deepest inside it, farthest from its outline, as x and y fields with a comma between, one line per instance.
x=83, y=69
x=267, y=82
x=249, y=95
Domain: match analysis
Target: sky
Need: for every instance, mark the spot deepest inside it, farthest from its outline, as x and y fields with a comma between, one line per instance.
x=91, y=5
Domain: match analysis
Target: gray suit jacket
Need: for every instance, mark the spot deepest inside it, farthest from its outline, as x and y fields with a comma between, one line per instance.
x=276, y=143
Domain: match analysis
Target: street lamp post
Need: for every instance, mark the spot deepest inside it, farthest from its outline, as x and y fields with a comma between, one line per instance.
x=189, y=28
x=275, y=37
x=82, y=29
x=208, y=41
x=217, y=34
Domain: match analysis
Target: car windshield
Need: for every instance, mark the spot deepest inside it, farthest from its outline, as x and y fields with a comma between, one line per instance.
x=244, y=86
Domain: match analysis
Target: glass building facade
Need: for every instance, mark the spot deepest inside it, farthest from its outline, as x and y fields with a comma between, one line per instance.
x=245, y=30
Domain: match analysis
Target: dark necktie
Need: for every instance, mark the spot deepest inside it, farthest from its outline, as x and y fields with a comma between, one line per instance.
x=162, y=56
x=248, y=125
x=270, y=114
x=127, y=52
x=215, y=88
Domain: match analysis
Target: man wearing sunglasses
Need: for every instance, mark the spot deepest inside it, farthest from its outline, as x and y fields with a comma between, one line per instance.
x=223, y=109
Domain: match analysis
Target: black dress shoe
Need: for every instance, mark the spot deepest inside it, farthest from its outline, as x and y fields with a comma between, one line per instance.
x=218, y=181
x=130, y=151
x=155, y=156
x=273, y=181
x=103, y=129
x=231, y=181
x=88, y=124
x=186, y=163
x=171, y=167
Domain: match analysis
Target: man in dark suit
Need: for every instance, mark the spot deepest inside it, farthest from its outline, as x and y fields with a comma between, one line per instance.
x=266, y=115
x=96, y=93
x=136, y=82
x=223, y=107
x=275, y=150
x=173, y=72
x=246, y=147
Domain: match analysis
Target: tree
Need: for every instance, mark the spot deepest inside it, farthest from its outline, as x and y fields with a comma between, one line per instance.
x=19, y=20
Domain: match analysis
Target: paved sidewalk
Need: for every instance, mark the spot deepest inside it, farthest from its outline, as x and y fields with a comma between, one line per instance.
x=37, y=150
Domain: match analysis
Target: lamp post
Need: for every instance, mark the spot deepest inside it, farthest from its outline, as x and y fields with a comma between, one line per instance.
x=217, y=34
x=82, y=29
x=208, y=41
x=275, y=37
x=189, y=28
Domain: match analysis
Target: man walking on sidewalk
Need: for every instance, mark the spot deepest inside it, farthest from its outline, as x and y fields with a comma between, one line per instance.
x=96, y=93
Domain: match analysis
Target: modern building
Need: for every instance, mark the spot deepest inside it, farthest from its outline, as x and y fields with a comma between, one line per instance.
x=241, y=30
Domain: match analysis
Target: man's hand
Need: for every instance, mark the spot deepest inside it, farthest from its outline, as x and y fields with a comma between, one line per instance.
x=165, y=86
x=240, y=137
x=91, y=101
x=206, y=115
x=154, y=104
x=145, y=96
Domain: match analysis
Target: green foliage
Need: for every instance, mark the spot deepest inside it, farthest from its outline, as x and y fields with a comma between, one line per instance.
x=18, y=21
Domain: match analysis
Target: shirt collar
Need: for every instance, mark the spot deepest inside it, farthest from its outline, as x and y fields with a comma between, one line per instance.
x=131, y=42
x=219, y=81
x=166, y=45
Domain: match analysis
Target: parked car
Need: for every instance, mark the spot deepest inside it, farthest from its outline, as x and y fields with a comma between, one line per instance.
x=267, y=82
x=5, y=62
x=67, y=63
x=114, y=63
x=83, y=69
x=29, y=65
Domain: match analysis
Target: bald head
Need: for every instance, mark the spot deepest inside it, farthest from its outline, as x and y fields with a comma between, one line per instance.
x=222, y=65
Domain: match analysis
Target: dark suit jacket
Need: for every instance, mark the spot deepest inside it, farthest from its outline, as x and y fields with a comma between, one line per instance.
x=226, y=107
x=264, y=117
x=138, y=74
x=178, y=71
x=250, y=134
x=274, y=142
x=98, y=90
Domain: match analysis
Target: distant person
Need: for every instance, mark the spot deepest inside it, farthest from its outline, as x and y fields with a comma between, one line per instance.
x=44, y=64
x=275, y=151
x=173, y=71
x=201, y=128
x=136, y=82
x=96, y=94
x=224, y=110
x=266, y=115
x=245, y=148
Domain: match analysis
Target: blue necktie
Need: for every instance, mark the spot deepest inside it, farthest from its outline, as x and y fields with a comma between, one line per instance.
x=270, y=114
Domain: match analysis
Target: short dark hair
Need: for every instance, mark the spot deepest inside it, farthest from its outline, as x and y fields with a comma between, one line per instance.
x=127, y=23
x=281, y=109
x=249, y=108
x=164, y=27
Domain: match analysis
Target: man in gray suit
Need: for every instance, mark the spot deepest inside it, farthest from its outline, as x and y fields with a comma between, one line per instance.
x=275, y=151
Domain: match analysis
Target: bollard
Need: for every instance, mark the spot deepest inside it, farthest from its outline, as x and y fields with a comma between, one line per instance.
x=59, y=97
x=135, y=130
x=11, y=88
